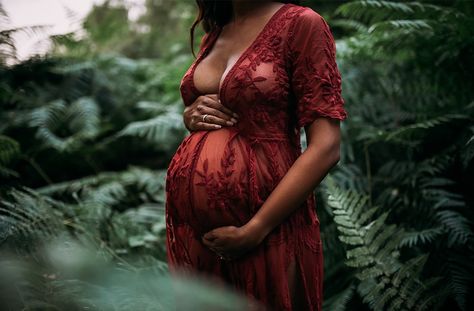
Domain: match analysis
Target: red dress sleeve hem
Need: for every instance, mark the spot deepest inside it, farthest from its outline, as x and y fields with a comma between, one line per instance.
x=315, y=77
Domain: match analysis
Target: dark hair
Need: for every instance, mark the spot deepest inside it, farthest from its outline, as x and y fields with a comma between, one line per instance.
x=215, y=13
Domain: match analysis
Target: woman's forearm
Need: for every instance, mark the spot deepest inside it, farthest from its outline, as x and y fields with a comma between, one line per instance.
x=294, y=188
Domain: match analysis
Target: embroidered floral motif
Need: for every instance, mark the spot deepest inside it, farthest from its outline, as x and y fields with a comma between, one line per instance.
x=275, y=40
x=222, y=192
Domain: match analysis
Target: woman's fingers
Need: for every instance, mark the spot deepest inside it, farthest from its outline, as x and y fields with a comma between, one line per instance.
x=217, y=114
x=220, y=110
x=221, y=251
x=215, y=118
x=215, y=248
x=206, y=126
x=221, y=115
x=217, y=105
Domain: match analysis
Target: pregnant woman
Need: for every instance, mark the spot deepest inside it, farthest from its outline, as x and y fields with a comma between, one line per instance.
x=240, y=204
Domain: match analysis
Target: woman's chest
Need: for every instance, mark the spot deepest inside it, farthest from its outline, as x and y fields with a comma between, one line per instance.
x=255, y=71
x=259, y=75
x=256, y=85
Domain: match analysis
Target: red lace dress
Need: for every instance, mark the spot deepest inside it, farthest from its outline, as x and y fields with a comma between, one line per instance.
x=284, y=80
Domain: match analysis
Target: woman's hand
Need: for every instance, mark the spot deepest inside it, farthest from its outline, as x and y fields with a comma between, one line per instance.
x=232, y=242
x=217, y=114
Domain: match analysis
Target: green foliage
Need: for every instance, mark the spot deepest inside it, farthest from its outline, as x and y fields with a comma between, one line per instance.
x=157, y=130
x=340, y=301
x=8, y=50
x=66, y=127
x=86, y=134
x=75, y=115
x=108, y=29
x=403, y=187
x=373, y=250
x=69, y=256
x=9, y=150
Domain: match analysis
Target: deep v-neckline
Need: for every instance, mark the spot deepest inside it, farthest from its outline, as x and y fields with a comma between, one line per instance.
x=226, y=76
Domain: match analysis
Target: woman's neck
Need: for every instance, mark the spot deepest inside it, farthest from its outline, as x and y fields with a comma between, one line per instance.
x=244, y=9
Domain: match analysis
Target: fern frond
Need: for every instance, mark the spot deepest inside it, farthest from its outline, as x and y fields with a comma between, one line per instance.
x=77, y=185
x=157, y=130
x=459, y=271
x=84, y=117
x=457, y=225
x=9, y=150
x=65, y=127
x=349, y=24
x=340, y=301
x=372, y=10
x=425, y=236
x=425, y=296
x=407, y=134
x=108, y=194
x=28, y=217
x=407, y=26
x=373, y=252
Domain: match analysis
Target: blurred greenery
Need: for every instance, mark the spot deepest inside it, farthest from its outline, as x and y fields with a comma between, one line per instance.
x=87, y=131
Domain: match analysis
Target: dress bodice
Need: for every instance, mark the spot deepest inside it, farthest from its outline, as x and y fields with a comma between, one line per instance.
x=283, y=80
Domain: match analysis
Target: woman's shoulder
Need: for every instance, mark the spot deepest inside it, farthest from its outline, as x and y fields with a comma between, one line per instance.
x=307, y=24
x=305, y=15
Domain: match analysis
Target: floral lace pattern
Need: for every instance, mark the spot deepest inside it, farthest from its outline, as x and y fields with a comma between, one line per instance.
x=283, y=81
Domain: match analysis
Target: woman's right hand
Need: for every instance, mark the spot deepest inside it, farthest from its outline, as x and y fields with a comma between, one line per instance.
x=218, y=114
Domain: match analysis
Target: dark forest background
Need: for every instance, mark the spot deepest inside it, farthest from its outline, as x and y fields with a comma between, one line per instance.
x=87, y=131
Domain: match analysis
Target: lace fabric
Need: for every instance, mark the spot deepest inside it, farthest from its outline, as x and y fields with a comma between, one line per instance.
x=283, y=81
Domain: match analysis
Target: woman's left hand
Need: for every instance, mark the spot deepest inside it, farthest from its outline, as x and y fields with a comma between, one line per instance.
x=231, y=242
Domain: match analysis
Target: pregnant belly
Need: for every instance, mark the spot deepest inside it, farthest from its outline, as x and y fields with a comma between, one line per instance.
x=215, y=180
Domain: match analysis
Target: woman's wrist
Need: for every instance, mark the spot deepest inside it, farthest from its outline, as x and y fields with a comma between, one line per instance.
x=256, y=229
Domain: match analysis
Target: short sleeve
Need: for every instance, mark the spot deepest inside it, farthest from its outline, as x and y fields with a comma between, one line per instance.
x=315, y=77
